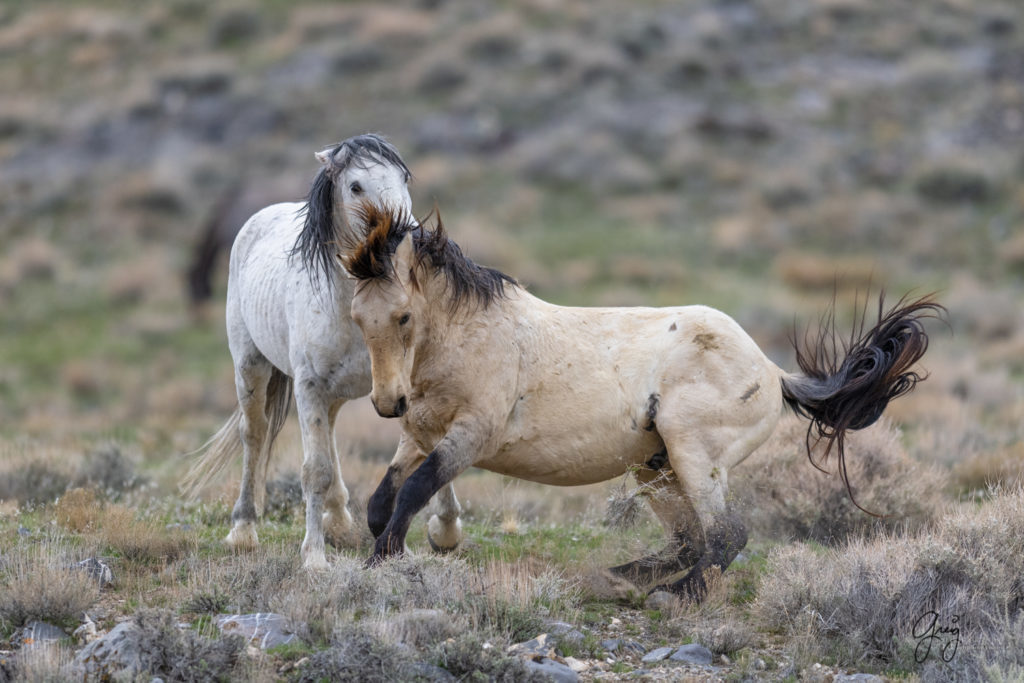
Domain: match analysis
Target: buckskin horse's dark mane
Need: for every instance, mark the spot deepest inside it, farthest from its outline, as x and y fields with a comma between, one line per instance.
x=368, y=257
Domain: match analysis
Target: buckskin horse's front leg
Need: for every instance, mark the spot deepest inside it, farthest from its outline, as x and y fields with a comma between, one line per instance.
x=452, y=455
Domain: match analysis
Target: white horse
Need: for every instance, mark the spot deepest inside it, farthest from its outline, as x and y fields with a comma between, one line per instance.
x=483, y=374
x=288, y=325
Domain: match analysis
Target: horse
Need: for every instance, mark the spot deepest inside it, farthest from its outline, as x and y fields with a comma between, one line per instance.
x=481, y=373
x=289, y=331
x=234, y=206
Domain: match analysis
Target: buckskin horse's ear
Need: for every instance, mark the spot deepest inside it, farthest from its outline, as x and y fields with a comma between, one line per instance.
x=404, y=262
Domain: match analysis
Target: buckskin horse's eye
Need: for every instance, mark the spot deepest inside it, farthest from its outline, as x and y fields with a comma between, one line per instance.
x=404, y=319
x=356, y=188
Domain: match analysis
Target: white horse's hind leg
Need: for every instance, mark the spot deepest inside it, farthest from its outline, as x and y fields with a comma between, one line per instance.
x=252, y=375
x=444, y=530
x=319, y=472
x=337, y=519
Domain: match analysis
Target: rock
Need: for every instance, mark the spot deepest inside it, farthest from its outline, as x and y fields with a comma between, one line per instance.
x=760, y=665
x=857, y=678
x=692, y=654
x=555, y=671
x=558, y=627
x=87, y=632
x=572, y=637
x=115, y=653
x=576, y=665
x=541, y=645
x=661, y=600
x=610, y=645
x=657, y=655
x=263, y=629
x=37, y=633
x=96, y=569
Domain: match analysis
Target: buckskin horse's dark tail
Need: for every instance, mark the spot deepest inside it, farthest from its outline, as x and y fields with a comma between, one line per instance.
x=849, y=390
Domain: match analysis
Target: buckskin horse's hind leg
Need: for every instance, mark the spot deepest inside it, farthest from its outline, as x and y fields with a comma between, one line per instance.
x=444, y=529
x=677, y=517
x=721, y=534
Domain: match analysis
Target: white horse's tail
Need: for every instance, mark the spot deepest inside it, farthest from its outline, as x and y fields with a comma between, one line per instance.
x=227, y=442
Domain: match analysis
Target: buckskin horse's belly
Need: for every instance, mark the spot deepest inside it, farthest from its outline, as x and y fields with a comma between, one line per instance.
x=575, y=458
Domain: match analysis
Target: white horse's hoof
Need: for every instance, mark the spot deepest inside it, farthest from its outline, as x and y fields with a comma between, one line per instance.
x=243, y=536
x=315, y=562
x=444, y=537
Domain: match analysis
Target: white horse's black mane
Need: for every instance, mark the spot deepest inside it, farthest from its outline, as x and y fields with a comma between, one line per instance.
x=319, y=232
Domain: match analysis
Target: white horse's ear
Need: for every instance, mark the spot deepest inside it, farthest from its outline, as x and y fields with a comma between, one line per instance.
x=404, y=262
x=324, y=156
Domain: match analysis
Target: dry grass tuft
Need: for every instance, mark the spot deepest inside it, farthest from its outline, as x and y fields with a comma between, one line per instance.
x=78, y=510
x=783, y=496
x=142, y=541
x=39, y=583
x=43, y=663
x=868, y=604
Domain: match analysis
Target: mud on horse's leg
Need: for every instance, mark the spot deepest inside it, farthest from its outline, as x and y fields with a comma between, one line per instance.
x=663, y=493
x=724, y=539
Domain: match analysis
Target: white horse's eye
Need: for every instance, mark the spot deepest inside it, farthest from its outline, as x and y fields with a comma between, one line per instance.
x=404, y=319
x=356, y=188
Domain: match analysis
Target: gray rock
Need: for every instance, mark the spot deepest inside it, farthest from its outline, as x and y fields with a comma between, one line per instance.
x=657, y=655
x=555, y=671
x=37, y=633
x=115, y=653
x=692, y=654
x=661, y=600
x=558, y=627
x=96, y=569
x=541, y=645
x=857, y=678
x=262, y=629
x=610, y=645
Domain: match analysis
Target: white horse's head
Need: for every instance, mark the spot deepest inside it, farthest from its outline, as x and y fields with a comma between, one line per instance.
x=364, y=168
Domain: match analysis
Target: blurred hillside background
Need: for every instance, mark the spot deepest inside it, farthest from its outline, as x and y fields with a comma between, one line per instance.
x=746, y=154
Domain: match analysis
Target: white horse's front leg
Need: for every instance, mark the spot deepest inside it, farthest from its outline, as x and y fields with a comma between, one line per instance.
x=444, y=530
x=338, y=526
x=318, y=468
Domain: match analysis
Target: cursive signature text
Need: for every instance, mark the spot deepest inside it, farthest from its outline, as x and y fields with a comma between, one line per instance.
x=929, y=633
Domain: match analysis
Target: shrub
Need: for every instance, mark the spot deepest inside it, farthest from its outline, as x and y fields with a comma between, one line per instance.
x=177, y=654
x=356, y=655
x=107, y=469
x=870, y=603
x=783, y=496
x=39, y=584
x=468, y=659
